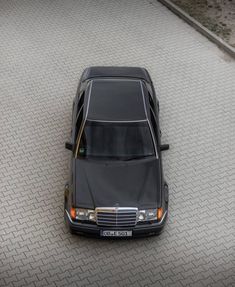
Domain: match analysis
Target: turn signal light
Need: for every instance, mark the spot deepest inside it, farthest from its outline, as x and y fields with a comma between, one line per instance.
x=73, y=213
x=159, y=213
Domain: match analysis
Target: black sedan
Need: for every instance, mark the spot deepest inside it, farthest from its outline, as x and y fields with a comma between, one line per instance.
x=116, y=186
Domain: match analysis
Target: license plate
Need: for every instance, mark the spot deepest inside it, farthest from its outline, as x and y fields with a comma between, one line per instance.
x=117, y=233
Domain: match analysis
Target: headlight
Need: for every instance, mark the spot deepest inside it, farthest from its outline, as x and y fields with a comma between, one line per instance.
x=82, y=214
x=150, y=214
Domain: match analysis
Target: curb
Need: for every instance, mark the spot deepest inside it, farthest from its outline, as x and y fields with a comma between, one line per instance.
x=195, y=24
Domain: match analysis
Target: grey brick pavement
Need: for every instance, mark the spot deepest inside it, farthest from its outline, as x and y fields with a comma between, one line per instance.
x=44, y=46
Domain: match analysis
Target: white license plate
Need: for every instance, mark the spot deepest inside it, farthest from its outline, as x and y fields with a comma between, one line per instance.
x=118, y=233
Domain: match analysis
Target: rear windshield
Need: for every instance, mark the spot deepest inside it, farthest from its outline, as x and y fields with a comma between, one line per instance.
x=120, y=141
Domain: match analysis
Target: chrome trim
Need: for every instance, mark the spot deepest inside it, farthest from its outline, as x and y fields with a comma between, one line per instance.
x=114, y=209
x=83, y=123
x=154, y=143
x=69, y=217
x=113, y=121
x=150, y=127
x=76, y=223
x=164, y=215
x=116, y=216
x=88, y=101
x=113, y=78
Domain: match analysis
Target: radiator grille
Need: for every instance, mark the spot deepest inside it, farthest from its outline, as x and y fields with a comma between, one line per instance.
x=116, y=217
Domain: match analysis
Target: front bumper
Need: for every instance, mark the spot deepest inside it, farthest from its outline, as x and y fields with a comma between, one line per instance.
x=95, y=230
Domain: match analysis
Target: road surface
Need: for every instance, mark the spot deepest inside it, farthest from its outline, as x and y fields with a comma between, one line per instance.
x=44, y=47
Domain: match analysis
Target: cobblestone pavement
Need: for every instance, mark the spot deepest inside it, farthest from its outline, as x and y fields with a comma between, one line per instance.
x=44, y=47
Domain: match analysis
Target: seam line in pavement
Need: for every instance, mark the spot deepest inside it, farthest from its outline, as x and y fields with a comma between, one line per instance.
x=199, y=27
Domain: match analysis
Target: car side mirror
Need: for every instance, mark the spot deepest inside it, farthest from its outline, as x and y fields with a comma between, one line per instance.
x=69, y=146
x=164, y=147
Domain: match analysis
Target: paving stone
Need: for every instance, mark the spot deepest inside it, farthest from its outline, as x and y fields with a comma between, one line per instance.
x=44, y=47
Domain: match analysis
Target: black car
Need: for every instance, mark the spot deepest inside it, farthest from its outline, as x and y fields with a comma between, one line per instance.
x=116, y=186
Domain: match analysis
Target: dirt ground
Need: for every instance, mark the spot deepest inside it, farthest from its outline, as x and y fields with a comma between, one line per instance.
x=217, y=15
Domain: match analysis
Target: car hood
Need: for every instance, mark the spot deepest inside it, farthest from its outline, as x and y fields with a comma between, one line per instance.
x=134, y=183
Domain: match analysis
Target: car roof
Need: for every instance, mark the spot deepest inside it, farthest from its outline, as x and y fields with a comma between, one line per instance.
x=116, y=100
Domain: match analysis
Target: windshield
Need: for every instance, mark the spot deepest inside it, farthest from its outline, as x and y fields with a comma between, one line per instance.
x=112, y=140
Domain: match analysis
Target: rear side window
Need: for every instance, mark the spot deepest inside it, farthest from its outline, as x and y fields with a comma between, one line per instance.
x=153, y=121
x=80, y=102
x=79, y=121
x=151, y=102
